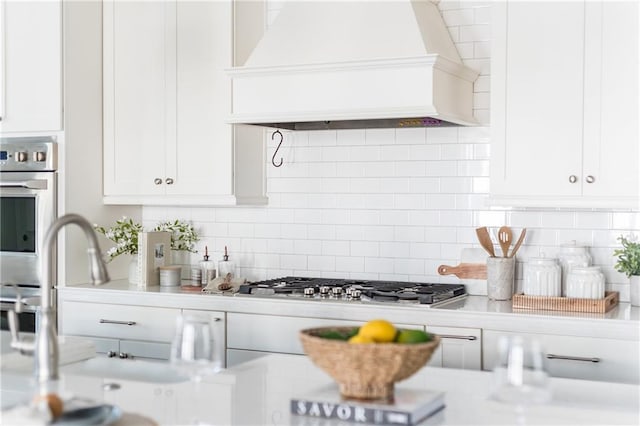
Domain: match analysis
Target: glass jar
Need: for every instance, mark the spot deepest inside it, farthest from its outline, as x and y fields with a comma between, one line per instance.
x=571, y=255
x=585, y=283
x=542, y=277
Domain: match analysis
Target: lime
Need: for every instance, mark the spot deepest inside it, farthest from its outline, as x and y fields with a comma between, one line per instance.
x=412, y=336
x=380, y=331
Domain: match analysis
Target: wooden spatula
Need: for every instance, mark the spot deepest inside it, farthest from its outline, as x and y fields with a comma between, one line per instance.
x=485, y=240
x=519, y=242
x=505, y=237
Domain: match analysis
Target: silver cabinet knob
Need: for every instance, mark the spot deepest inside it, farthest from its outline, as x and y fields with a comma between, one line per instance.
x=40, y=156
x=111, y=354
x=573, y=178
x=169, y=181
x=123, y=355
x=157, y=181
x=590, y=179
x=22, y=156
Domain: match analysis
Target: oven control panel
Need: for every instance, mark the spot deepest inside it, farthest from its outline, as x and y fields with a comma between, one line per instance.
x=28, y=154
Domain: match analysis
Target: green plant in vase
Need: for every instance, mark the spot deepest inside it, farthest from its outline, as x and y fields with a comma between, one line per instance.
x=629, y=264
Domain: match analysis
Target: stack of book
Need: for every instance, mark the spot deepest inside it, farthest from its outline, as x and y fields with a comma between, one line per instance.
x=409, y=407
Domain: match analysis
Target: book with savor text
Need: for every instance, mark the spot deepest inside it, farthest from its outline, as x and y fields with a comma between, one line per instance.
x=410, y=406
x=154, y=250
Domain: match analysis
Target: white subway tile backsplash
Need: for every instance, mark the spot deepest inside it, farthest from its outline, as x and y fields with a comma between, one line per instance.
x=323, y=138
x=322, y=263
x=351, y=137
x=475, y=32
x=293, y=261
x=380, y=136
x=410, y=136
x=351, y=265
x=307, y=246
x=437, y=135
x=593, y=220
x=336, y=248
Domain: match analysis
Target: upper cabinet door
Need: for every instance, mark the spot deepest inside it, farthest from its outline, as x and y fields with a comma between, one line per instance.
x=564, y=104
x=536, y=111
x=30, y=66
x=138, y=118
x=611, y=138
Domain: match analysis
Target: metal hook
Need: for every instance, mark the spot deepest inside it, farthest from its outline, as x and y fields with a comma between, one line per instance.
x=273, y=159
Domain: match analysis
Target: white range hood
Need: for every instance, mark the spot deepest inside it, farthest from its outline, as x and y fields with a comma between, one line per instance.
x=354, y=64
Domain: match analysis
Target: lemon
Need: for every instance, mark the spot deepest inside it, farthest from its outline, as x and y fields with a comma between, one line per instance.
x=412, y=336
x=358, y=338
x=380, y=331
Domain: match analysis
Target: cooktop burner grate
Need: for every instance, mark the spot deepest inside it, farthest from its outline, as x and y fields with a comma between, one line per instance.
x=355, y=290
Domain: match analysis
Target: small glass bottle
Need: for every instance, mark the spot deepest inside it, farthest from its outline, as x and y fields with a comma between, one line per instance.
x=226, y=267
x=208, y=268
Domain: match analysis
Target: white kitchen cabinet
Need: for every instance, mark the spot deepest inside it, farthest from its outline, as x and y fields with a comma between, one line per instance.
x=30, y=66
x=166, y=99
x=586, y=358
x=459, y=348
x=124, y=330
x=564, y=105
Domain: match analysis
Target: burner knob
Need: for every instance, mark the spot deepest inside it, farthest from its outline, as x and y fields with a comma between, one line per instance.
x=336, y=291
x=309, y=292
x=40, y=156
x=355, y=294
x=22, y=156
x=324, y=290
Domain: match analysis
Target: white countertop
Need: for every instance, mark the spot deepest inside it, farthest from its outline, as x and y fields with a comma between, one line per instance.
x=259, y=393
x=621, y=322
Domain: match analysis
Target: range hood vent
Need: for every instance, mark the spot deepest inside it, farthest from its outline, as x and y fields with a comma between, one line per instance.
x=354, y=64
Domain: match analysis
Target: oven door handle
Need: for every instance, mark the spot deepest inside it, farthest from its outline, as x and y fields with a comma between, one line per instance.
x=11, y=306
x=27, y=184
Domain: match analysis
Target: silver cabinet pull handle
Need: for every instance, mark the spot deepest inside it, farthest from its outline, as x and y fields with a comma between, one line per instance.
x=453, y=336
x=106, y=321
x=573, y=358
x=157, y=181
x=590, y=179
x=217, y=319
x=169, y=181
x=573, y=178
x=110, y=386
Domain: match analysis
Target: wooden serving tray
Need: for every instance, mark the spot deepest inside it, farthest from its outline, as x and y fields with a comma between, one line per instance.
x=610, y=300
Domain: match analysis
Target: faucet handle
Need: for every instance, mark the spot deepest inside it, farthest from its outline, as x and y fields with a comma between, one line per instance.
x=25, y=348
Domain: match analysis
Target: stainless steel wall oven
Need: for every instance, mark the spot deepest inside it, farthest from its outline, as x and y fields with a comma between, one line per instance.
x=28, y=207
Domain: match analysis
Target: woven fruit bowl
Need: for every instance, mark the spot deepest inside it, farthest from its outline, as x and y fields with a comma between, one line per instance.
x=365, y=371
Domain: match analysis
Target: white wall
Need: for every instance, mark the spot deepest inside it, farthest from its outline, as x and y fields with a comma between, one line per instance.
x=392, y=204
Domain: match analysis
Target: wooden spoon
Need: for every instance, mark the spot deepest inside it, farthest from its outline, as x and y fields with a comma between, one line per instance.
x=519, y=242
x=505, y=237
x=485, y=240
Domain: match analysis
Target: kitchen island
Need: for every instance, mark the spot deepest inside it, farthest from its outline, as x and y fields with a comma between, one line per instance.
x=259, y=393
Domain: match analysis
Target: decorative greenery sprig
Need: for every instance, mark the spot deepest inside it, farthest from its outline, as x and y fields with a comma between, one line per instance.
x=628, y=257
x=183, y=236
x=125, y=234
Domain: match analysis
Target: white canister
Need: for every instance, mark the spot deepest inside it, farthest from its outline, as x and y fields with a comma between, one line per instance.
x=542, y=277
x=571, y=255
x=170, y=275
x=585, y=283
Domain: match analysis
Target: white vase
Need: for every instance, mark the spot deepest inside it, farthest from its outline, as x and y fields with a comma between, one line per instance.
x=133, y=269
x=634, y=290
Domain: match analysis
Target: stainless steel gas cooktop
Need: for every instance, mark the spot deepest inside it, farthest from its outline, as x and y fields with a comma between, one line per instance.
x=332, y=289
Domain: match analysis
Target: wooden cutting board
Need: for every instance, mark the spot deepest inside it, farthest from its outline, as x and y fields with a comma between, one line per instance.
x=472, y=265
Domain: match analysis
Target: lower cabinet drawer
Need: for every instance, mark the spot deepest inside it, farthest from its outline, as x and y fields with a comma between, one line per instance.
x=277, y=333
x=576, y=357
x=118, y=321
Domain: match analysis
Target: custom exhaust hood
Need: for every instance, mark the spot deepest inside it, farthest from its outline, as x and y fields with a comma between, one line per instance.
x=354, y=64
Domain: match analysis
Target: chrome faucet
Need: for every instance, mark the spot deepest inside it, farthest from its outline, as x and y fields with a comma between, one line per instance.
x=46, y=344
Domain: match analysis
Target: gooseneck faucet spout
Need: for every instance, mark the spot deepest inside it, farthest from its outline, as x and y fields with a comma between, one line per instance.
x=46, y=348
